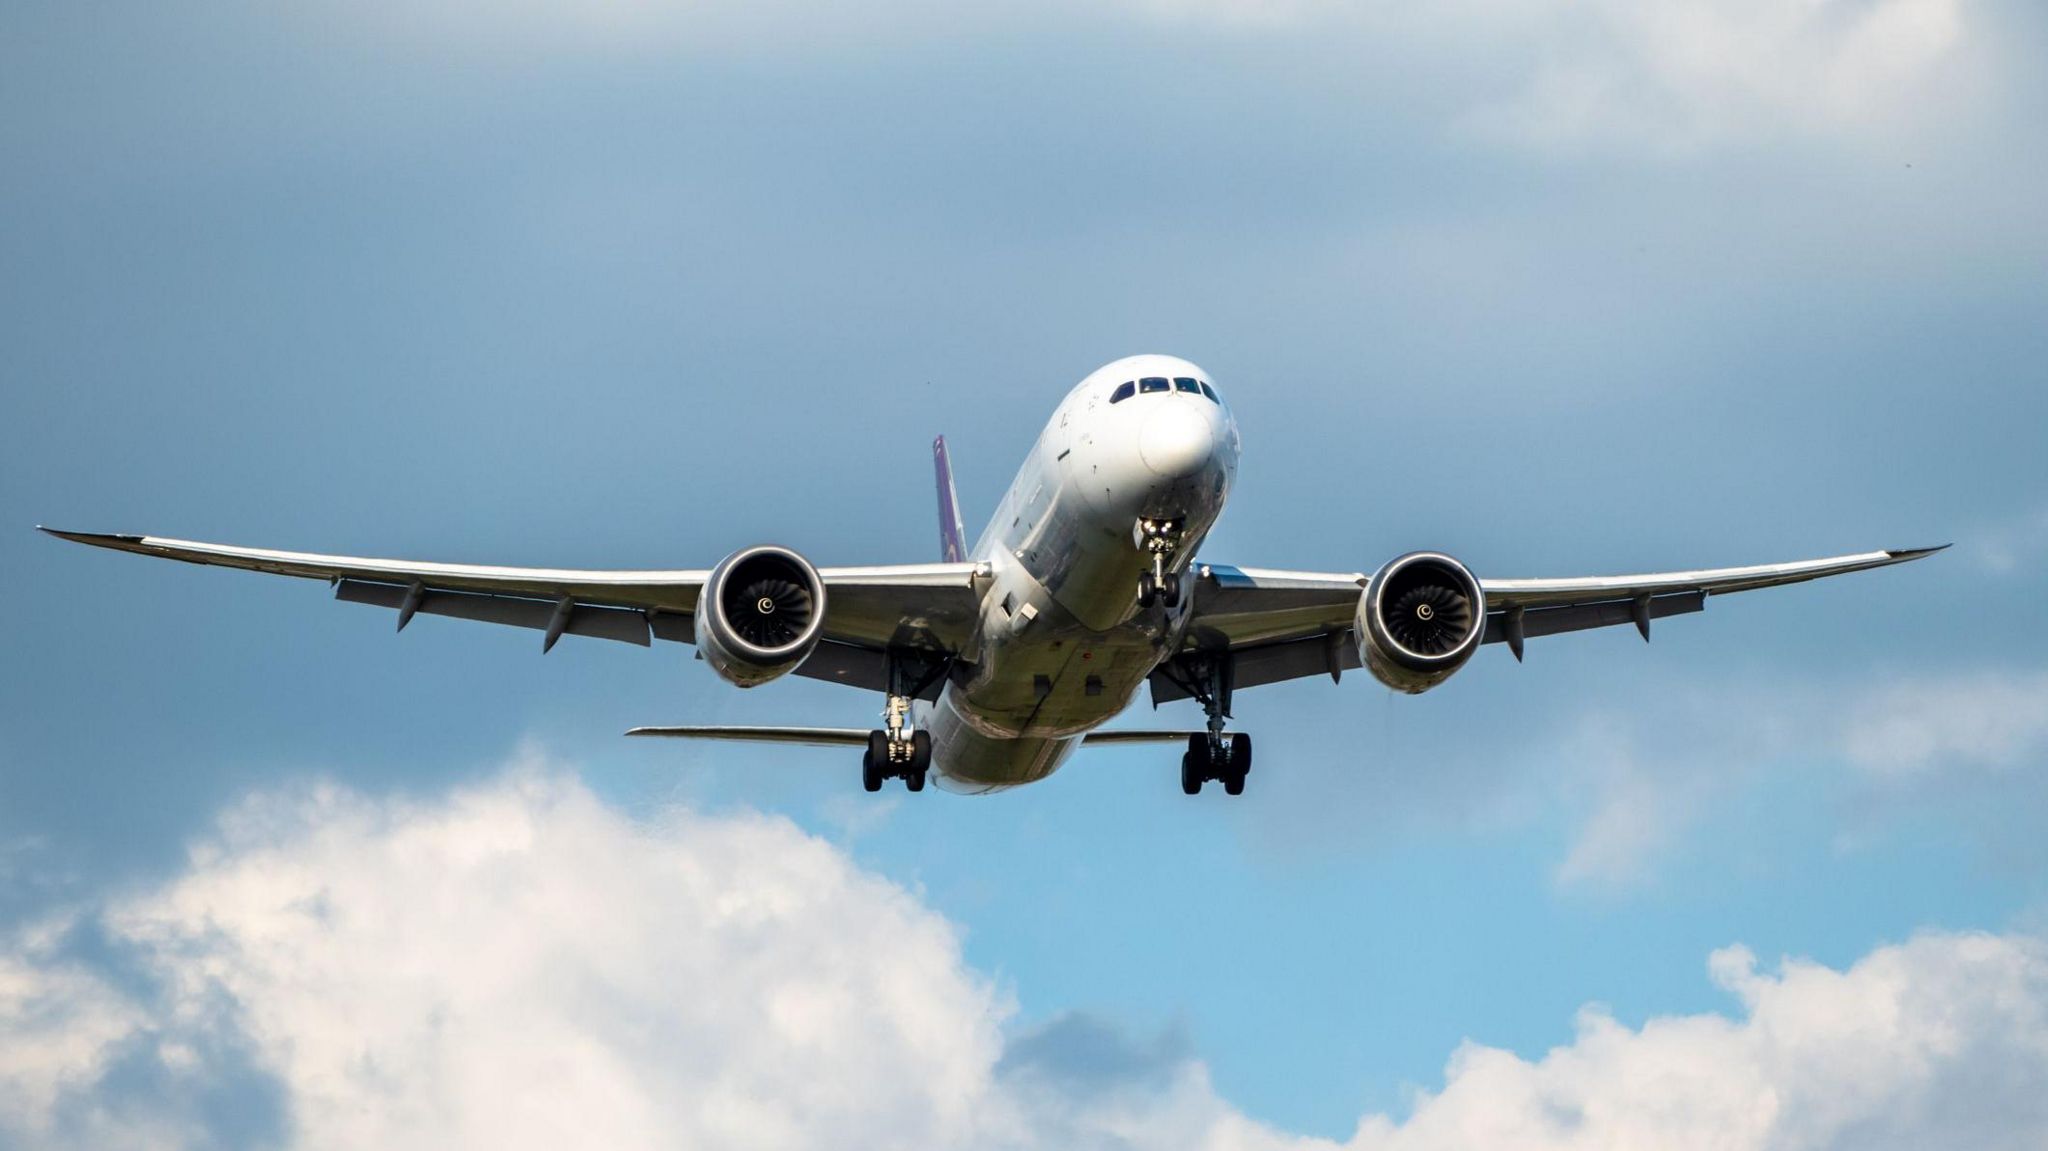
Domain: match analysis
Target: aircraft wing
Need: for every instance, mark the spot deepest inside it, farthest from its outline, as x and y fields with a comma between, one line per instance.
x=1279, y=625
x=867, y=609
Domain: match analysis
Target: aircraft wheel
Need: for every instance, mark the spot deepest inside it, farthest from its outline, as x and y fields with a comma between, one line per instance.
x=1148, y=592
x=1190, y=779
x=1240, y=755
x=914, y=780
x=1233, y=784
x=920, y=753
x=874, y=761
x=1169, y=590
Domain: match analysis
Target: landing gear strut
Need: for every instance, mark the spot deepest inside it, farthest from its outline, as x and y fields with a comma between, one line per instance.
x=898, y=750
x=1222, y=756
x=1160, y=539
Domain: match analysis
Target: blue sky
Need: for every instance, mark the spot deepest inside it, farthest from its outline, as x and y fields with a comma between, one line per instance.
x=1561, y=289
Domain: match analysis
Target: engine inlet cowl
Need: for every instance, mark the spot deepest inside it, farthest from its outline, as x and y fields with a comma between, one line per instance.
x=760, y=614
x=1421, y=617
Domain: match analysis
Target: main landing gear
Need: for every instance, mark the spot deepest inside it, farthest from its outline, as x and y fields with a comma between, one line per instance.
x=907, y=757
x=899, y=751
x=1225, y=757
x=1160, y=539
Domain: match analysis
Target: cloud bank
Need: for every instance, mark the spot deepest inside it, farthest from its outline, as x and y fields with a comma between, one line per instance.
x=1673, y=78
x=518, y=964
x=1638, y=780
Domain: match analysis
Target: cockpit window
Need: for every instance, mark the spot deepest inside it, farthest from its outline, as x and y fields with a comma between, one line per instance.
x=1209, y=391
x=1153, y=384
x=1123, y=392
x=1185, y=384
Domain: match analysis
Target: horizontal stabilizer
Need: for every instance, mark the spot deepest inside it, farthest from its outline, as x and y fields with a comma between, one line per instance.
x=1103, y=738
x=809, y=736
x=858, y=737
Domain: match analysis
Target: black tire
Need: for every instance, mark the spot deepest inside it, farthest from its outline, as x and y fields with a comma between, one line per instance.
x=1169, y=591
x=1190, y=779
x=1240, y=755
x=914, y=781
x=874, y=766
x=1147, y=593
x=920, y=755
x=1233, y=784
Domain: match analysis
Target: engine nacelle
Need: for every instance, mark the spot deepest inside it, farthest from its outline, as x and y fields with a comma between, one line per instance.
x=760, y=614
x=1421, y=617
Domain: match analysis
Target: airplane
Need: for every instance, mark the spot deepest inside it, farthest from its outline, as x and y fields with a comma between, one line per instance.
x=998, y=662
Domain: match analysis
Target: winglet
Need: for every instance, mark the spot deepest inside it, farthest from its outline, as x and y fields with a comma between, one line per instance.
x=952, y=539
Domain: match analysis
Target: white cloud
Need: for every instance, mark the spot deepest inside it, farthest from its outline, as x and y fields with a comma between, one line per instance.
x=1633, y=811
x=519, y=965
x=1679, y=76
x=1665, y=77
x=1641, y=778
x=516, y=964
x=1938, y=1042
x=59, y=1026
x=1634, y=782
x=1986, y=721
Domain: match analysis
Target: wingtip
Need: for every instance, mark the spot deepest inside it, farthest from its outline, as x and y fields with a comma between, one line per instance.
x=1903, y=554
x=101, y=539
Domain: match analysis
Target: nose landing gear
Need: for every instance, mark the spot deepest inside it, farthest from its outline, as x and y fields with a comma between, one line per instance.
x=1160, y=539
x=1158, y=588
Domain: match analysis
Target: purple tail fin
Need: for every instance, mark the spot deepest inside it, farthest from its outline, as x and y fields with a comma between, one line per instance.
x=952, y=541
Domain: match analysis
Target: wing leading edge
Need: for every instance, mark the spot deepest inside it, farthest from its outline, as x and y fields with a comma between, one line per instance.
x=1278, y=625
x=867, y=608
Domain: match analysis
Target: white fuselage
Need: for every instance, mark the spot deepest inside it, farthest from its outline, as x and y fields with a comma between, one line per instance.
x=1062, y=644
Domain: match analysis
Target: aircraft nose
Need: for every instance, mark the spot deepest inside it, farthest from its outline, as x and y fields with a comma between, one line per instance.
x=1179, y=440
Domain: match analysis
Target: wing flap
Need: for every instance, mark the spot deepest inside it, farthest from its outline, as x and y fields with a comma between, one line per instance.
x=622, y=624
x=1331, y=653
x=1579, y=617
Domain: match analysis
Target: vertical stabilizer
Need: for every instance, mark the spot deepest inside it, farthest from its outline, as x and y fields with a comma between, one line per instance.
x=952, y=540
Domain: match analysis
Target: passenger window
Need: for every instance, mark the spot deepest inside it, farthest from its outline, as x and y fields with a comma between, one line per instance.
x=1210, y=392
x=1153, y=384
x=1184, y=384
x=1123, y=392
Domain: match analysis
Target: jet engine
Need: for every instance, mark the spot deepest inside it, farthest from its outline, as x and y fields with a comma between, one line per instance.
x=760, y=614
x=1421, y=617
